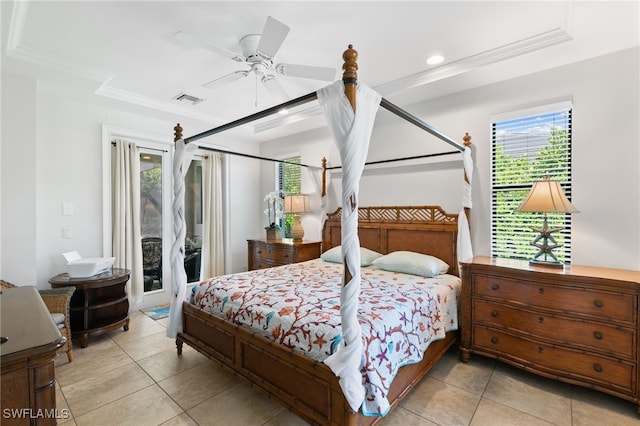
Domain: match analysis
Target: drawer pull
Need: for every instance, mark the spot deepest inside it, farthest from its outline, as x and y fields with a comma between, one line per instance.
x=540, y=320
x=259, y=251
x=494, y=314
x=285, y=256
x=597, y=335
x=597, y=368
x=494, y=340
x=495, y=287
x=540, y=349
x=598, y=303
x=541, y=290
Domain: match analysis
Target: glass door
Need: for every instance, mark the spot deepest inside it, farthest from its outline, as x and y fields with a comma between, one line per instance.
x=193, y=219
x=151, y=218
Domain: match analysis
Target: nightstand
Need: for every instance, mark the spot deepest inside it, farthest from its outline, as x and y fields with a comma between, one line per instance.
x=99, y=304
x=578, y=324
x=269, y=253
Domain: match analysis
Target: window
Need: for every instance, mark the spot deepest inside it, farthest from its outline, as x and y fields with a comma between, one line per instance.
x=525, y=150
x=288, y=180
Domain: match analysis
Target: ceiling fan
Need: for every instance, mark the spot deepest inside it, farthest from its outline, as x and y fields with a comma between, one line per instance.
x=258, y=51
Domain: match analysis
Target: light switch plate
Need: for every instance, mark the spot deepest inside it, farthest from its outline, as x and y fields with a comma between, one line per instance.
x=67, y=209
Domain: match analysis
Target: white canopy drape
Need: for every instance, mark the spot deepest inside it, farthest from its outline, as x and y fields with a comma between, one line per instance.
x=351, y=132
x=181, y=160
x=315, y=176
x=465, y=251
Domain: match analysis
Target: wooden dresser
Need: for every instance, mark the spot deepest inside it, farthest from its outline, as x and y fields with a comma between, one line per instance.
x=268, y=253
x=578, y=324
x=28, y=378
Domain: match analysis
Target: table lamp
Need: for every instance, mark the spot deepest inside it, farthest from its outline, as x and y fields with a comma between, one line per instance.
x=546, y=196
x=296, y=205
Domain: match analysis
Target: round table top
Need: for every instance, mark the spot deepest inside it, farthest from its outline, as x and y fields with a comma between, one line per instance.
x=109, y=277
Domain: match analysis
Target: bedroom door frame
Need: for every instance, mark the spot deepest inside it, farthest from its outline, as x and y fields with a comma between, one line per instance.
x=155, y=142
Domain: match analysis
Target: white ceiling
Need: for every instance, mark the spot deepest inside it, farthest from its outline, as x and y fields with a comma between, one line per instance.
x=123, y=54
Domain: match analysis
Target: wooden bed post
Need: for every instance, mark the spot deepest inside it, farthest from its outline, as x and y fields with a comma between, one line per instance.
x=177, y=133
x=467, y=143
x=350, y=74
x=350, y=80
x=324, y=176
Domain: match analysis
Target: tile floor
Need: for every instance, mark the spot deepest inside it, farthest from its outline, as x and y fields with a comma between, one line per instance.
x=136, y=378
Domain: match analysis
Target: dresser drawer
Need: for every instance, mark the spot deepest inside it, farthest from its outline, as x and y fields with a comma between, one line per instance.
x=272, y=252
x=269, y=253
x=263, y=264
x=603, y=371
x=595, y=303
x=599, y=337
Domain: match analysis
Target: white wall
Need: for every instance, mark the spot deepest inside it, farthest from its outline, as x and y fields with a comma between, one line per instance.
x=52, y=154
x=606, y=151
x=18, y=227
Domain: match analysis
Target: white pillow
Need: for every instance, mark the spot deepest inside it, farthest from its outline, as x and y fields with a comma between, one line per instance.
x=334, y=255
x=409, y=262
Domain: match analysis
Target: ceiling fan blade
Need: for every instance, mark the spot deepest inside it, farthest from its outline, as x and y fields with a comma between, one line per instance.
x=307, y=71
x=226, y=79
x=274, y=88
x=273, y=34
x=189, y=40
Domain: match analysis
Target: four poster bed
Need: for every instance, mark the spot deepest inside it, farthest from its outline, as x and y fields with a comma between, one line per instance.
x=335, y=368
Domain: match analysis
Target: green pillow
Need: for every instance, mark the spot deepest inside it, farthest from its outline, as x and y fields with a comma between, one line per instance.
x=409, y=262
x=334, y=255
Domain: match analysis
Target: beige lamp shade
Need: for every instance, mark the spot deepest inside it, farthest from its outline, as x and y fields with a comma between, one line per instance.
x=296, y=204
x=546, y=196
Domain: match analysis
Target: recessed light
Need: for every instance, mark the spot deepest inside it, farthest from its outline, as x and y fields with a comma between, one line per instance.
x=435, y=59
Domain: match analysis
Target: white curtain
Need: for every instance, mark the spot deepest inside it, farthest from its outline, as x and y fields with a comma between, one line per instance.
x=315, y=176
x=465, y=251
x=181, y=160
x=125, y=234
x=351, y=131
x=212, y=254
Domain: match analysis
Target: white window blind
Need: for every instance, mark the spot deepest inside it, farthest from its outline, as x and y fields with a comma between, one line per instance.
x=524, y=150
x=288, y=180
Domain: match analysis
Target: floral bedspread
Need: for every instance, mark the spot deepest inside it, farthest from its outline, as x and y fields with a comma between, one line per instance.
x=298, y=306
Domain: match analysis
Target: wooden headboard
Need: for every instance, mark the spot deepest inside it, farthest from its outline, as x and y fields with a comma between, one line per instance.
x=422, y=229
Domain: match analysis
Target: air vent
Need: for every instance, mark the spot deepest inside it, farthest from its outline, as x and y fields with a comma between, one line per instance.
x=183, y=97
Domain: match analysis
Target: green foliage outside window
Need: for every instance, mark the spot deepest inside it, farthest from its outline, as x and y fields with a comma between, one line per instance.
x=518, y=161
x=289, y=180
x=151, y=201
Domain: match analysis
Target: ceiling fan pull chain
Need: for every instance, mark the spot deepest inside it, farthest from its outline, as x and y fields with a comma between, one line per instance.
x=256, y=103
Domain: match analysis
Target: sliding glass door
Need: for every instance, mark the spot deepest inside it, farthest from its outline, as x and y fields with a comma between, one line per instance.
x=193, y=219
x=151, y=218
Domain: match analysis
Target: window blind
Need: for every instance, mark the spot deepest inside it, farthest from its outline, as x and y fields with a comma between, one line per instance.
x=524, y=150
x=289, y=181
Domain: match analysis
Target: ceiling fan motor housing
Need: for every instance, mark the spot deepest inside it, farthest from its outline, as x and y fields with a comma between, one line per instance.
x=249, y=45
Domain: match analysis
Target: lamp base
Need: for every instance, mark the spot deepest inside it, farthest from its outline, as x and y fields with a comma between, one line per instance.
x=546, y=263
x=545, y=249
x=297, y=231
